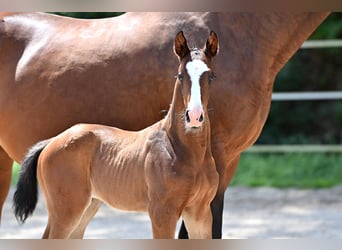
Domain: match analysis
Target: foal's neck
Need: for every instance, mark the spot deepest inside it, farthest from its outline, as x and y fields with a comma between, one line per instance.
x=195, y=142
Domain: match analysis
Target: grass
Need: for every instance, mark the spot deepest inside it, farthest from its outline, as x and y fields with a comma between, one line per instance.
x=300, y=170
x=15, y=173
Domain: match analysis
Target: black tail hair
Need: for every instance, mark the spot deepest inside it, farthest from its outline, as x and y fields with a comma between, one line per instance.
x=26, y=196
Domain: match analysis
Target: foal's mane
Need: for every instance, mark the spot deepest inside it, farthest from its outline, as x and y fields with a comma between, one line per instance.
x=196, y=53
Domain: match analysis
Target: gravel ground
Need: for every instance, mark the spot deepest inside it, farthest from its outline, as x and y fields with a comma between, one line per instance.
x=254, y=213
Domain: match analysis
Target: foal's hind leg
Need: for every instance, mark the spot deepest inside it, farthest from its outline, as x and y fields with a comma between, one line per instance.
x=87, y=216
x=64, y=175
x=67, y=194
x=65, y=217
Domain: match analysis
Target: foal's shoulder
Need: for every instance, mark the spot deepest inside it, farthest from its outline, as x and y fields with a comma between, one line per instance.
x=158, y=144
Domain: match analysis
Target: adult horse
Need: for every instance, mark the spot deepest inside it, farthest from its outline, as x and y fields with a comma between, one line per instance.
x=58, y=71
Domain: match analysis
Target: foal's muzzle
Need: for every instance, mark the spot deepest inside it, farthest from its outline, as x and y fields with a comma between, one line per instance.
x=194, y=118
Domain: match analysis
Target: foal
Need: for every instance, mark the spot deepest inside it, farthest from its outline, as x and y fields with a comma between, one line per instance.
x=166, y=169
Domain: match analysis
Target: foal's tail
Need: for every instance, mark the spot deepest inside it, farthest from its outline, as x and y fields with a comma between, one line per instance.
x=26, y=196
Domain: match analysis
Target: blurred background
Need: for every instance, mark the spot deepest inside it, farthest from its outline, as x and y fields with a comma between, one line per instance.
x=311, y=128
x=308, y=131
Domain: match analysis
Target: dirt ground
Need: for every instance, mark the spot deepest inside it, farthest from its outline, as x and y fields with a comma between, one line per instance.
x=254, y=213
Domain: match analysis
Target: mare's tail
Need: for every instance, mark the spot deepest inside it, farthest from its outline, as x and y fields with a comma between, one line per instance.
x=26, y=196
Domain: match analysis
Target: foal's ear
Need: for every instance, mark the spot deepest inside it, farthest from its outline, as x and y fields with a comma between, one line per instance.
x=181, y=47
x=212, y=45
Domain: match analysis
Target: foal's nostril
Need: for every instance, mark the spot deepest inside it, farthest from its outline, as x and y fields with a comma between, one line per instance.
x=200, y=119
x=187, y=116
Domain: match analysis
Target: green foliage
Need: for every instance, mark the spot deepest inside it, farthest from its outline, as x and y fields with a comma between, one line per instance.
x=300, y=170
x=89, y=15
x=331, y=28
x=302, y=122
x=15, y=173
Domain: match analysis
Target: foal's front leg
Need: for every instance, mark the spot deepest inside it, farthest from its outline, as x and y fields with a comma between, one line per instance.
x=164, y=220
x=217, y=213
x=198, y=221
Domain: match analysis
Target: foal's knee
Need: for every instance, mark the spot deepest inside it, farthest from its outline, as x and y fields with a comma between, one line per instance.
x=198, y=221
x=164, y=221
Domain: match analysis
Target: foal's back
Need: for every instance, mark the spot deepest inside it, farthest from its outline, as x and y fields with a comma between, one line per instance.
x=112, y=162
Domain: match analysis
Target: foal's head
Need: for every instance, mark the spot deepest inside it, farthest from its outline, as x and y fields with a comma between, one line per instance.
x=194, y=77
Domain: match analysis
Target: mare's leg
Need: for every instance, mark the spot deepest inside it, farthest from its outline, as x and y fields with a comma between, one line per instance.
x=5, y=176
x=183, y=232
x=87, y=216
x=217, y=213
x=226, y=174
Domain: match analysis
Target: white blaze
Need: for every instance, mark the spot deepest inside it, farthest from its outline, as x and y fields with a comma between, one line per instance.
x=195, y=69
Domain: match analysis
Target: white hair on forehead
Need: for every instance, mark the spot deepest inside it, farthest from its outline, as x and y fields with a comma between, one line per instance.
x=195, y=69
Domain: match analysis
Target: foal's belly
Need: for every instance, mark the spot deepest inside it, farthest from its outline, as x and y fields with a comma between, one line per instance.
x=120, y=184
x=122, y=199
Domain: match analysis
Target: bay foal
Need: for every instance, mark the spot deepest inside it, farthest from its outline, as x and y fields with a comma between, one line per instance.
x=166, y=169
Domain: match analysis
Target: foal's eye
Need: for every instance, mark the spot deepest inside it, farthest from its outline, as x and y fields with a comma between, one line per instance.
x=211, y=77
x=179, y=76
